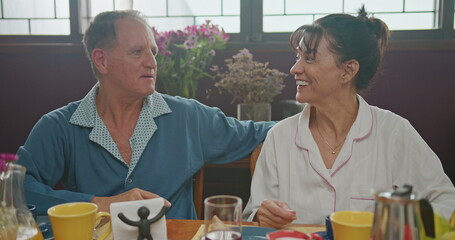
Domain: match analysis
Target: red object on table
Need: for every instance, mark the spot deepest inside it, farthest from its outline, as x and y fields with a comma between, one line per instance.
x=294, y=234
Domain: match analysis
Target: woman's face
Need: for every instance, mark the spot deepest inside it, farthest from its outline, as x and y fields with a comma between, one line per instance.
x=317, y=75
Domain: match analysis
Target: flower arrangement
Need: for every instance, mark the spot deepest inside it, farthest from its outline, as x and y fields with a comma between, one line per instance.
x=5, y=159
x=249, y=81
x=184, y=56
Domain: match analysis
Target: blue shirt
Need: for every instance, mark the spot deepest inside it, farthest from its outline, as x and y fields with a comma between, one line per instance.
x=174, y=137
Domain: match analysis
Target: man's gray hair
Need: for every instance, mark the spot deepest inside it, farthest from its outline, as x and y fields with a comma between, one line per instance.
x=102, y=31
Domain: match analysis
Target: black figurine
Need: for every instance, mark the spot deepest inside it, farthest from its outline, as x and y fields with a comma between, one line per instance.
x=143, y=224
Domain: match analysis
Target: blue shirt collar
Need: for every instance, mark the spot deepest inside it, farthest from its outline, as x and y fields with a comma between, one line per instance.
x=86, y=114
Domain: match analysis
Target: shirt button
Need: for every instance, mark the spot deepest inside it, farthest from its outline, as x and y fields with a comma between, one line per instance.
x=129, y=180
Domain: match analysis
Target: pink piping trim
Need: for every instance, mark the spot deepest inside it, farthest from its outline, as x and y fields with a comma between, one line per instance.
x=362, y=198
x=352, y=146
x=334, y=190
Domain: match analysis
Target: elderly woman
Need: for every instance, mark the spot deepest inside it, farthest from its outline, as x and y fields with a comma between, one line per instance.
x=328, y=157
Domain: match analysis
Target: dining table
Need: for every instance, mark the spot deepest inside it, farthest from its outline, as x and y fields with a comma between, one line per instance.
x=179, y=229
x=184, y=229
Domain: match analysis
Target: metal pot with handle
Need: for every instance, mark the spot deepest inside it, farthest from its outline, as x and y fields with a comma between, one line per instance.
x=399, y=215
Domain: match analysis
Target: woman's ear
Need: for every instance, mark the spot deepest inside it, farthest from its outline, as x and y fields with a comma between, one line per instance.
x=350, y=69
x=99, y=60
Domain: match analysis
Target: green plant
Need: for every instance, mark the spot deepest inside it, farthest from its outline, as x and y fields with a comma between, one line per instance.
x=184, y=56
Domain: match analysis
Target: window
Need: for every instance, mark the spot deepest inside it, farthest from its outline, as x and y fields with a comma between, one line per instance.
x=177, y=14
x=287, y=15
x=30, y=17
x=257, y=21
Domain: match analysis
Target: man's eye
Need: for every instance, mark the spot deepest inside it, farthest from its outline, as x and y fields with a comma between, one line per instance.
x=137, y=52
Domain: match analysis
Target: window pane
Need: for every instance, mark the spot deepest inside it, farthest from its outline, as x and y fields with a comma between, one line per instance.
x=285, y=23
x=400, y=14
x=352, y=6
x=13, y=27
x=273, y=7
x=231, y=7
x=28, y=9
x=408, y=21
x=169, y=15
x=170, y=23
x=420, y=5
x=229, y=24
x=123, y=4
x=151, y=8
x=97, y=6
x=25, y=16
x=63, y=8
x=311, y=6
x=50, y=27
x=194, y=7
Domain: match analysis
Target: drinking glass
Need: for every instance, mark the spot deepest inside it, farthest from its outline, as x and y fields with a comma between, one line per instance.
x=222, y=218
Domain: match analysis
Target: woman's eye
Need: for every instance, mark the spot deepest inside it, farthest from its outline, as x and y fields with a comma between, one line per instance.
x=309, y=59
x=297, y=57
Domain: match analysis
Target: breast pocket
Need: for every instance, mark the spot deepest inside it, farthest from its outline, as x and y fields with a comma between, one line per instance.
x=361, y=197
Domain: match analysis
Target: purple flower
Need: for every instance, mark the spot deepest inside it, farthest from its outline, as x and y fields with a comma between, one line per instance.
x=212, y=39
x=166, y=53
x=183, y=51
x=3, y=166
x=6, y=158
x=191, y=42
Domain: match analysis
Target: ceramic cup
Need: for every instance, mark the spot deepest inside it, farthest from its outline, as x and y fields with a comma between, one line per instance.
x=347, y=225
x=328, y=228
x=32, y=209
x=76, y=221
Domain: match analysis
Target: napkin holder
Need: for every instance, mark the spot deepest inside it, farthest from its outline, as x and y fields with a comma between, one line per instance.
x=126, y=219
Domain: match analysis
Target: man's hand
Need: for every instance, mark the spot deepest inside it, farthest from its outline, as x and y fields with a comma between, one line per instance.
x=133, y=194
x=274, y=214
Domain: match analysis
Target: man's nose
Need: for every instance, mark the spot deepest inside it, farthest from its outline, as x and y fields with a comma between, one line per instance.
x=150, y=60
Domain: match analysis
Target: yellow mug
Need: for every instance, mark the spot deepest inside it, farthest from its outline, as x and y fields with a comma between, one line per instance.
x=347, y=225
x=76, y=221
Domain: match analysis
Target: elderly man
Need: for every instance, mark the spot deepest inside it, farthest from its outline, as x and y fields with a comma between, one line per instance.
x=125, y=141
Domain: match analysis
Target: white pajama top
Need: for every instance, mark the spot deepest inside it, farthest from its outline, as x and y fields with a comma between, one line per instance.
x=381, y=150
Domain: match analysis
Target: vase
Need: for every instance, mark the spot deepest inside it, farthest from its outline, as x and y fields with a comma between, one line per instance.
x=256, y=111
x=16, y=221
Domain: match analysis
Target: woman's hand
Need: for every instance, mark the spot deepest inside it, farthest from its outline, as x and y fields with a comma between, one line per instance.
x=133, y=194
x=275, y=214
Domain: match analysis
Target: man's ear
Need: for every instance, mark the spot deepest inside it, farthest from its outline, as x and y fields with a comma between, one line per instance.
x=350, y=69
x=99, y=60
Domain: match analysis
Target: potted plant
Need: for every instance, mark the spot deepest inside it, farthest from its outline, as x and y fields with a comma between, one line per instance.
x=184, y=56
x=252, y=84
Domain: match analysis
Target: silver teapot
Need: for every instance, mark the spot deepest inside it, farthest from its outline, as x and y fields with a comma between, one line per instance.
x=399, y=215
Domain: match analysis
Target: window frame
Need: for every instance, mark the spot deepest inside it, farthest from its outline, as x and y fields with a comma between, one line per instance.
x=251, y=35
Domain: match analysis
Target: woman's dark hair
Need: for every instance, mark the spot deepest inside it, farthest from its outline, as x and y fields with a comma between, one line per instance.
x=361, y=38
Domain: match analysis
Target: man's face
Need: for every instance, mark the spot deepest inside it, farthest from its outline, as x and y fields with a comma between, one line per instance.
x=130, y=64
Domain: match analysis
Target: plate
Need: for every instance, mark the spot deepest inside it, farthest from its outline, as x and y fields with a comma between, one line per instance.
x=253, y=233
